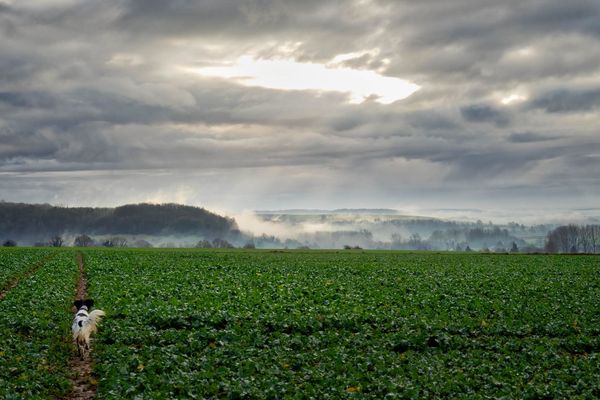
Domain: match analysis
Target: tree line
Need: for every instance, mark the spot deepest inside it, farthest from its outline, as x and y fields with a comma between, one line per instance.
x=574, y=239
x=33, y=223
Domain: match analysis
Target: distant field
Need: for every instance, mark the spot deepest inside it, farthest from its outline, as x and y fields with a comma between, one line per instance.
x=310, y=324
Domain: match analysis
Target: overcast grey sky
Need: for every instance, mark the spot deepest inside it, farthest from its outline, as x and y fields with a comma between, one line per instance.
x=270, y=104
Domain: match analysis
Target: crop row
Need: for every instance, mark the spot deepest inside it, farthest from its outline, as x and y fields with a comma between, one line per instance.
x=34, y=331
x=255, y=324
x=15, y=261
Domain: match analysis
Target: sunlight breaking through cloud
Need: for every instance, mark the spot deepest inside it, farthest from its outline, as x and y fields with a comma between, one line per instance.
x=513, y=98
x=292, y=75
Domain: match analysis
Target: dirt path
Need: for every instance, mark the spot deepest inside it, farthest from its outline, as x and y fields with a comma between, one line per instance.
x=84, y=384
x=13, y=284
x=82, y=284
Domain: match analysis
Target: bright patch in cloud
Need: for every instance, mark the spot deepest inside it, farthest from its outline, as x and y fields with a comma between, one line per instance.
x=293, y=75
x=513, y=98
x=350, y=56
x=125, y=60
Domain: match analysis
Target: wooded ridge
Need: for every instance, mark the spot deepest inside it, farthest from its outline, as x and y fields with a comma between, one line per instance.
x=35, y=222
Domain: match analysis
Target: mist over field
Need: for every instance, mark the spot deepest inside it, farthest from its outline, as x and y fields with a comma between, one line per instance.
x=387, y=229
x=174, y=225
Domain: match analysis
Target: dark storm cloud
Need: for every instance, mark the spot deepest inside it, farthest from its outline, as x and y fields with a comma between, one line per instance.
x=565, y=100
x=227, y=20
x=470, y=22
x=530, y=137
x=468, y=40
x=16, y=68
x=64, y=112
x=185, y=18
x=551, y=16
x=484, y=113
x=13, y=145
x=27, y=99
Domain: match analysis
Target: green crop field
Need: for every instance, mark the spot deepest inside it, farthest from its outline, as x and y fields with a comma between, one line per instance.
x=14, y=262
x=34, y=328
x=308, y=324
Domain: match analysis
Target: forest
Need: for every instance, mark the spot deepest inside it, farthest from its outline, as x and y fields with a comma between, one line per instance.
x=34, y=223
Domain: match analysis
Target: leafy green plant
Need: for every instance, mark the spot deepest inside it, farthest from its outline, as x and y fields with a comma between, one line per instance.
x=14, y=262
x=221, y=323
x=239, y=324
x=34, y=331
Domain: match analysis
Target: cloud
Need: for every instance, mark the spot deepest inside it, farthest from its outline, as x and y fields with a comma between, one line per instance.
x=275, y=74
x=530, y=137
x=98, y=97
x=484, y=113
x=565, y=100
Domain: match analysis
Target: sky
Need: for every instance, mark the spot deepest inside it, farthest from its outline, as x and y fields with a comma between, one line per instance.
x=430, y=106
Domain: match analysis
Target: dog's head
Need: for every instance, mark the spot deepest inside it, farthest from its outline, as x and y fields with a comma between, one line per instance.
x=88, y=303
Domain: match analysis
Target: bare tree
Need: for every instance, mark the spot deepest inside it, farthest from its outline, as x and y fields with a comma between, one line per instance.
x=559, y=241
x=584, y=243
x=56, y=241
x=414, y=241
x=591, y=239
x=83, y=241
x=574, y=239
x=595, y=238
x=221, y=244
x=115, y=241
x=119, y=241
x=203, y=244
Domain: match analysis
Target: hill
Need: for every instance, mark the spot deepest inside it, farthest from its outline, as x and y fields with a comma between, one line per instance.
x=38, y=222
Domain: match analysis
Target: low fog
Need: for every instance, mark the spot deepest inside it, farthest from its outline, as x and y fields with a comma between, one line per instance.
x=169, y=225
x=384, y=229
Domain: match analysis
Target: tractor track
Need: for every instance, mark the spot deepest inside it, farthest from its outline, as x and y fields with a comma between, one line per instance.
x=84, y=384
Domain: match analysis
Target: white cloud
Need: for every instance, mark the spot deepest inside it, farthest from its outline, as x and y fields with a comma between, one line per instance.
x=513, y=98
x=292, y=75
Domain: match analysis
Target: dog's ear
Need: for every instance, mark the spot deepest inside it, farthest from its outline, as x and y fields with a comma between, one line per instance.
x=89, y=303
x=78, y=304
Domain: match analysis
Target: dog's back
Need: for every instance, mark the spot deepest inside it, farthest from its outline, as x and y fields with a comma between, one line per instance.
x=81, y=319
x=84, y=324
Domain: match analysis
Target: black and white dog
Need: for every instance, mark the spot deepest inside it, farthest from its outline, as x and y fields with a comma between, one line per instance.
x=84, y=324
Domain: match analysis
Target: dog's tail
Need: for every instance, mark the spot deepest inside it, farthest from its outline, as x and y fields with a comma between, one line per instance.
x=95, y=317
x=82, y=333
